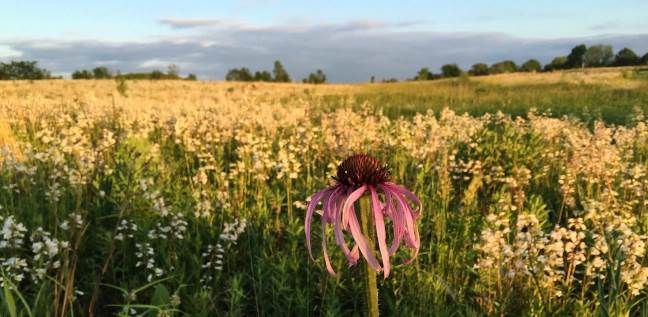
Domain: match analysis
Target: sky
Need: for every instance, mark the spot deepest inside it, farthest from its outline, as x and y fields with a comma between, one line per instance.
x=350, y=40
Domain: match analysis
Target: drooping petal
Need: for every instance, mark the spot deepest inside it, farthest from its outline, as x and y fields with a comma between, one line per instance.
x=403, y=191
x=355, y=251
x=337, y=225
x=309, y=216
x=354, y=227
x=329, y=267
x=397, y=221
x=411, y=234
x=380, y=230
x=330, y=206
x=362, y=243
x=352, y=197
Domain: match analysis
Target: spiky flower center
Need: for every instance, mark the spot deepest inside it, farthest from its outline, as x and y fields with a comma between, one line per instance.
x=361, y=169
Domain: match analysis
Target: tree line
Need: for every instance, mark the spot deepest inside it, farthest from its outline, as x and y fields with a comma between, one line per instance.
x=102, y=72
x=29, y=70
x=23, y=70
x=278, y=75
x=580, y=56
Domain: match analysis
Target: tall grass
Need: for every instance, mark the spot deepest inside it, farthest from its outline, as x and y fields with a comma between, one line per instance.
x=188, y=199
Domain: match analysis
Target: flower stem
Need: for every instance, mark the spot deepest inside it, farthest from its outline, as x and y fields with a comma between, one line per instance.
x=371, y=287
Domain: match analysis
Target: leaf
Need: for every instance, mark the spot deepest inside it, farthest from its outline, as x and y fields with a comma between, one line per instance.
x=9, y=301
x=161, y=296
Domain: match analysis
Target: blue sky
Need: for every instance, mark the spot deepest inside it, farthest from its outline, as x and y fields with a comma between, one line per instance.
x=391, y=39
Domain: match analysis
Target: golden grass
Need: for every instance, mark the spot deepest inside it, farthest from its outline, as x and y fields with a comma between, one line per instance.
x=8, y=142
x=609, y=76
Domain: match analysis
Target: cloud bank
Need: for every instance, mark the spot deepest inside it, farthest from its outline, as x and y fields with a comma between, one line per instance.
x=348, y=52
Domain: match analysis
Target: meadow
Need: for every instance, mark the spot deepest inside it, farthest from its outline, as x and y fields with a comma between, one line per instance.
x=176, y=198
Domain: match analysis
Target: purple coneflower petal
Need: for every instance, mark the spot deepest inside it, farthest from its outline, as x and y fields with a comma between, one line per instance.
x=380, y=230
x=362, y=243
x=355, y=228
x=411, y=234
x=356, y=175
x=399, y=189
x=309, y=216
x=329, y=267
x=337, y=226
x=397, y=221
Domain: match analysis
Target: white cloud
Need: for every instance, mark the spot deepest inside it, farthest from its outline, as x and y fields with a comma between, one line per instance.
x=350, y=51
x=7, y=52
x=184, y=23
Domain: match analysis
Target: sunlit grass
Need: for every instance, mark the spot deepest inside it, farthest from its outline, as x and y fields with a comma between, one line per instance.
x=188, y=197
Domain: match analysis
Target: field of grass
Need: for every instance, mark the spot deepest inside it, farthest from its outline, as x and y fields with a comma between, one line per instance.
x=175, y=198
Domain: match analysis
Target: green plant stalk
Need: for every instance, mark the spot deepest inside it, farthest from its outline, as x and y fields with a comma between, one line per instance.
x=371, y=286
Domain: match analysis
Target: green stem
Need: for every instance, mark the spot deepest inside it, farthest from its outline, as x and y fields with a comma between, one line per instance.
x=371, y=287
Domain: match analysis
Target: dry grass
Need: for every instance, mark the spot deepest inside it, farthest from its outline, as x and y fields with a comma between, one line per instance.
x=612, y=77
x=8, y=142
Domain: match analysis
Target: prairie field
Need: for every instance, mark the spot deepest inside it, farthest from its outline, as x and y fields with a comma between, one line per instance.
x=179, y=198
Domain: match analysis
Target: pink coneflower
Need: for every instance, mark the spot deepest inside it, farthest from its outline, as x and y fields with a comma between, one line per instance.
x=357, y=175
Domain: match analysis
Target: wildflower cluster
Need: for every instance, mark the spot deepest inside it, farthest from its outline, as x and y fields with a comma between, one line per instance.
x=213, y=256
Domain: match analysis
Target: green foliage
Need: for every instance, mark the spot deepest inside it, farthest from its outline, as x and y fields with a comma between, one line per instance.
x=192, y=77
x=576, y=59
x=450, y=70
x=599, y=55
x=153, y=75
x=531, y=66
x=82, y=74
x=557, y=63
x=585, y=101
x=22, y=70
x=280, y=73
x=644, y=59
x=263, y=75
x=317, y=77
x=173, y=71
x=479, y=69
x=239, y=74
x=101, y=72
x=626, y=57
x=507, y=66
x=423, y=74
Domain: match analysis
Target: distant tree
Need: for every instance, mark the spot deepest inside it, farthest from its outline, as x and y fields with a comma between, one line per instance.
x=423, y=74
x=450, y=70
x=263, y=75
x=173, y=71
x=317, y=77
x=576, y=59
x=644, y=60
x=531, y=66
x=82, y=74
x=101, y=72
x=507, y=66
x=192, y=77
x=157, y=74
x=242, y=74
x=479, y=69
x=154, y=75
x=598, y=56
x=22, y=70
x=626, y=57
x=372, y=79
x=280, y=73
x=556, y=64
